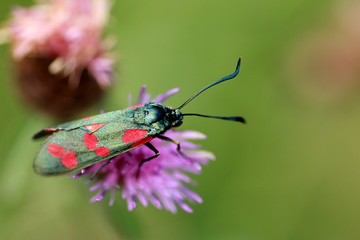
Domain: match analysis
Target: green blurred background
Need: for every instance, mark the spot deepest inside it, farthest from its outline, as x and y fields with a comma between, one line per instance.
x=291, y=173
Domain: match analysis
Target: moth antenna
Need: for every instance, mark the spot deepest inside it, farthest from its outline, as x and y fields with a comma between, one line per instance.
x=234, y=118
x=228, y=77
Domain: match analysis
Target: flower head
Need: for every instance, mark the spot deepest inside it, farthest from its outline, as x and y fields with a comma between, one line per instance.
x=324, y=65
x=69, y=31
x=62, y=64
x=162, y=180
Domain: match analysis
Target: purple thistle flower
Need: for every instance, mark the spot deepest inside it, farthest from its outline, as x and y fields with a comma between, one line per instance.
x=162, y=180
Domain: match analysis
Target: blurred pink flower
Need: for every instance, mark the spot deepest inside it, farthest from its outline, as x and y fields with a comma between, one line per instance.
x=68, y=31
x=62, y=64
x=162, y=180
x=324, y=64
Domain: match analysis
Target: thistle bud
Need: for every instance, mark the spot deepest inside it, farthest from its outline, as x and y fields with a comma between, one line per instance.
x=61, y=64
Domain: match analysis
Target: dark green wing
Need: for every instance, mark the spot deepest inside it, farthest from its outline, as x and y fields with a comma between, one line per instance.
x=120, y=115
x=74, y=145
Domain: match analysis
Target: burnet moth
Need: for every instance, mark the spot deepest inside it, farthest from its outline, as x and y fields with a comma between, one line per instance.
x=75, y=145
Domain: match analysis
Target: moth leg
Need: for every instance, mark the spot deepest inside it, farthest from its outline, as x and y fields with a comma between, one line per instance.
x=178, y=148
x=157, y=153
x=106, y=162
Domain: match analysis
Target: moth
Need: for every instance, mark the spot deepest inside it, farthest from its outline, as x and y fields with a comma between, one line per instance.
x=72, y=146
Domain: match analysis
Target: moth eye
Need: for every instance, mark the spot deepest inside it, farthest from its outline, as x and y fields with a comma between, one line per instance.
x=146, y=112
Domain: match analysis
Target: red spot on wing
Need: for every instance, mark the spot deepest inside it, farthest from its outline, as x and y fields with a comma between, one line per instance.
x=50, y=130
x=94, y=127
x=55, y=150
x=69, y=160
x=133, y=135
x=86, y=118
x=139, y=105
x=90, y=140
x=102, y=151
x=141, y=142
